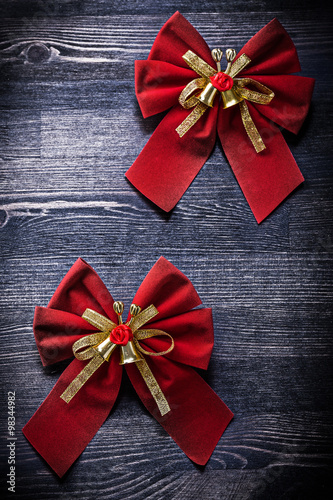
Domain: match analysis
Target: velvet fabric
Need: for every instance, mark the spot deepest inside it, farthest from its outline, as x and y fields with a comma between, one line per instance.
x=60, y=431
x=168, y=163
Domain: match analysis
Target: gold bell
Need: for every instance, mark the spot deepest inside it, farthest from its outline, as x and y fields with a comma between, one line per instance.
x=105, y=348
x=230, y=98
x=129, y=353
x=208, y=94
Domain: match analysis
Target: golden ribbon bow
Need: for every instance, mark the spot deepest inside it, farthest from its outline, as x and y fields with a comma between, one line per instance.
x=99, y=348
x=236, y=95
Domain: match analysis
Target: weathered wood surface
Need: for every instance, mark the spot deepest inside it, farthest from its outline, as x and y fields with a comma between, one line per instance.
x=70, y=127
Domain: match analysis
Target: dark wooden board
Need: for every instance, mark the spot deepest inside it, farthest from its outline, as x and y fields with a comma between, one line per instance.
x=70, y=127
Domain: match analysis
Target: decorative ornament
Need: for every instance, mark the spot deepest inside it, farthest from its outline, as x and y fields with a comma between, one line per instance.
x=245, y=104
x=158, y=345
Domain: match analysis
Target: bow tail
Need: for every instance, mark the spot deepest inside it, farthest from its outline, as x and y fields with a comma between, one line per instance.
x=266, y=178
x=197, y=416
x=60, y=431
x=168, y=164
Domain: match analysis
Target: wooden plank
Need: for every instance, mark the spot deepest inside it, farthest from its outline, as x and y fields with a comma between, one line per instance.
x=70, y=127
x=122, y=38
x=39, y=10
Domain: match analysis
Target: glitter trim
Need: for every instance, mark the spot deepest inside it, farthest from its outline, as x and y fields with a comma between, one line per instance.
x=153, y=387
x=82, y=378
x=198, y=65
x=98, y=320
x=250, y=128
x=143, y=317
x=191, y=119
x=239, y=65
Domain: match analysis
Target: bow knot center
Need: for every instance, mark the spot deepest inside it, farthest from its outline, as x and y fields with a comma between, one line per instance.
x=221, y=81
x=121, y=335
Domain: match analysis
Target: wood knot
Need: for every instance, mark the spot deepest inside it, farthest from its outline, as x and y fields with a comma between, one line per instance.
x=3, y=217
x=37, y=53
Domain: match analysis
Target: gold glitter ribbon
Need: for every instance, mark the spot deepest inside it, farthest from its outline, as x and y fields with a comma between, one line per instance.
x=85, y=348
x=189, y=95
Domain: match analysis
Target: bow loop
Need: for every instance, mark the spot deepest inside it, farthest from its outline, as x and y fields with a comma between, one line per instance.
x=263, y=97
x=186, y=99
x=292, y=99
x=272, y=52
x=174, y=39
x=147, y=334
x=88, y=342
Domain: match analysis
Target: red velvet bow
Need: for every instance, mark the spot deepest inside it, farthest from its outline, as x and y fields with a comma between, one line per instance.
x=60, y=431
x=168, y=163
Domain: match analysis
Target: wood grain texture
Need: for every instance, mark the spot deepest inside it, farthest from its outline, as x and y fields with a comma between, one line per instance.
x=70, y=127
